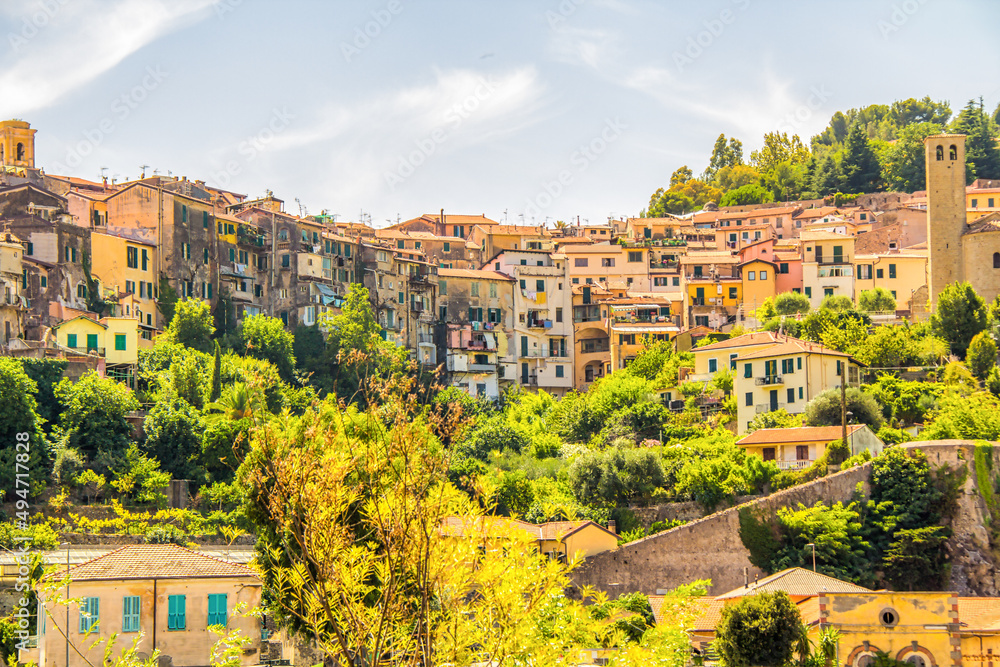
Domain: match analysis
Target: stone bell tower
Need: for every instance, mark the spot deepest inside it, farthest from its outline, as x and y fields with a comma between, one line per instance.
x=945, y=156
x=17, y=144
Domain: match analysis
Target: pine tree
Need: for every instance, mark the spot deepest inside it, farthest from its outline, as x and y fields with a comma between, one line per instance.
x=860, y=165
x=981, y=150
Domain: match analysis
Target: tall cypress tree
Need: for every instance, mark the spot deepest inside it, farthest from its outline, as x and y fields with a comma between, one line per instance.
x=217, y=375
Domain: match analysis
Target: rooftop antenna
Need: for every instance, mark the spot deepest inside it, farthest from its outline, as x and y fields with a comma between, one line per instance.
x=104, y=175
x=505, y=216
x=143, y=167
x=303, y=211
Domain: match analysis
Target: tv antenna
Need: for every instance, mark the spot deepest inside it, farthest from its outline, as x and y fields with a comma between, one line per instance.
x=143, y=167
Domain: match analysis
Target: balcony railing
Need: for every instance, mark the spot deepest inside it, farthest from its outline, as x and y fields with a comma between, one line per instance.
x=425, y=338
x=833, y=259
x=761, y=408
x=793, y=465
x=88, y=350
x=767, y=380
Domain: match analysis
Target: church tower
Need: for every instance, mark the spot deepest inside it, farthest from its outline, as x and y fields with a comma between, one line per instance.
x=945, y=155
x=17, y=144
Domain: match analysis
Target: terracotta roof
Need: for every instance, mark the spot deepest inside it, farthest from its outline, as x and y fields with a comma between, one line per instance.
x=817, y=212
x=753, y=338
x=987, y=223
x=787, y=255
x=768, y=436
x=791, y=346
x=710, y=258
x=522, y=230
x=473, y=273
x=979, y=613
x=823, y=236
x=795, y=581
x=160, y=561
x=499, y=525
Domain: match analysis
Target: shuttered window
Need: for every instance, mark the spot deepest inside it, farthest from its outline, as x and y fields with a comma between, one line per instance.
x=217, y=609
x=176, y=610
x=130, y=613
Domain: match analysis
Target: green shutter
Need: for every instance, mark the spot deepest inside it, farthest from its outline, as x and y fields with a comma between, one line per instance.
x=119, y=341
x=748, y=370
x=217, y=609
x=204, y=219
x=130, y=613
x=90, y=613
x=176, y=610
x=70, y=340
x=91, y=342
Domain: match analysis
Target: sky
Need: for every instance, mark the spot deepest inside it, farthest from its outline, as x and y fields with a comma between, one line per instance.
x=527, y=111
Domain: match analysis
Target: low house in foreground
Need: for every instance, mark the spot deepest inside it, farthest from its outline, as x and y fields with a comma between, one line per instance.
x=562, y=540
x=793, y=448
x=164, y=595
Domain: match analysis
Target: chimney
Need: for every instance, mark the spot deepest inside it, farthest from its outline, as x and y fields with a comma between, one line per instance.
x=612, y=527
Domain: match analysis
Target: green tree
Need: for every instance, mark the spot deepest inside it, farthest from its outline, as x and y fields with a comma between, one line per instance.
x=747, y=194
x=959, y=315
x=758, y=631
x=20, y=433
x=224, y=446
x=224, y=315
x=861, y=166
x=138, y=478
x=876, y=300
x=836, y=530
x=836, y=302
x=981, y=152
x=724, y=154
x=981, y=356
x=964, y=417
x=791, y=303
x=166, y=301
x=173, y=436
x=265, y=338
x=828, y=178
x=775, y=419
x=191, y=325
x=94, y=417
x=356, y=345
x=216, y=375
x=904, y=162
x=917, y=560
x=824, y=410
x=778, y=147
x=494, y=434
x=46, y=373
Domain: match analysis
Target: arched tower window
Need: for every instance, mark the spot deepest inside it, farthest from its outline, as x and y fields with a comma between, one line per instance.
x=939, y=153
x=20, y=152
x=953, y=153
x=996, y=260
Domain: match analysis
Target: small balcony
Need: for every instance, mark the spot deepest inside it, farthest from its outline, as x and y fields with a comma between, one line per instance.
x=793, y=465
x=761, y=408
x=832, y=259
x=768, y=380
x=89, y=350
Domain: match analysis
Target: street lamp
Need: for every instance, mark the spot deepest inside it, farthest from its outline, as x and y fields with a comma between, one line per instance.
x=814, y=554
x=66, y=633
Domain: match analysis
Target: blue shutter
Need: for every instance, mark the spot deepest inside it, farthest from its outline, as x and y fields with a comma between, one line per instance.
x=217, y=609
x=130, y=613
x=90, y=610
x=176, y=608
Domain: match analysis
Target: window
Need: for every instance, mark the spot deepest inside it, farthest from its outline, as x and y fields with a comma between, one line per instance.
x=839, y=367
x=879, y=273
x=145, y=259
x=952, y=152
x=748, y=370
x=45, y=281
x=119, y=341
x=447, y=246
x=808, y=291
x=751, y=275
x=801, y=452
x=763, y=275
x=732, y=293
x=864, y=271
x=132, y=257
x=232, y=254
x=892, y=270
x=70, y=340
x=176, y=610
x=580, y=261
x=676, y=281
x=217, y=601
x=540, y=285
x=783, y=267
x=749, y=398
x=996, y=260
x=607, y=261
x=81, y=291
x=975, y=203
x=474, y=289
x=285, y=261
x=939, y=153
x=204, y=219
x=790, y=395
x=416, y=245
x=443, y=288
x=634, y=256
x=800, y=393
x=559, y=314
x=184, y=213
x=130, y=613
x=560, y=371
x=90, y=613
x=475, y=314
x=888, y=617
x=713, y=365
x=697, y=272
x=989, y=202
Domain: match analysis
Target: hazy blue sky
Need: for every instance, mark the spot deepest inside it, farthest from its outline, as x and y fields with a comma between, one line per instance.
x=543, y=108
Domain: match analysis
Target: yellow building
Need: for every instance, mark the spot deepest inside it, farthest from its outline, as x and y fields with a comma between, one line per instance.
x=13, y=281
x=164, y=596
x=758, y=276
x=634, y=322
x=127, y=268
x=827, y=266
x=709, y=359
x=17, y=144
x=924, y=629
x=609, y=264
x=794, y=448
x=980, y=202
x=902, y=273
x=787, y=375
x=564, y=540
x=115, y=339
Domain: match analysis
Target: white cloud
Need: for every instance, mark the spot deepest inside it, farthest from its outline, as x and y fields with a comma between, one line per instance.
x=58, y=46
x=458, y=110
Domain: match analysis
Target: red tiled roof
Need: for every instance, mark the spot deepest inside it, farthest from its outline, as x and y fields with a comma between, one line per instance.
x=767, y=436
x=797, y=582
x=160, y=561
x=979, y=613
x=753, y=338
x=473, y=273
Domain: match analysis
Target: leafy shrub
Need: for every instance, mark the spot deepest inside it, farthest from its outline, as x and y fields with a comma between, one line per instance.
x=68, y=465
x=165, y=534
